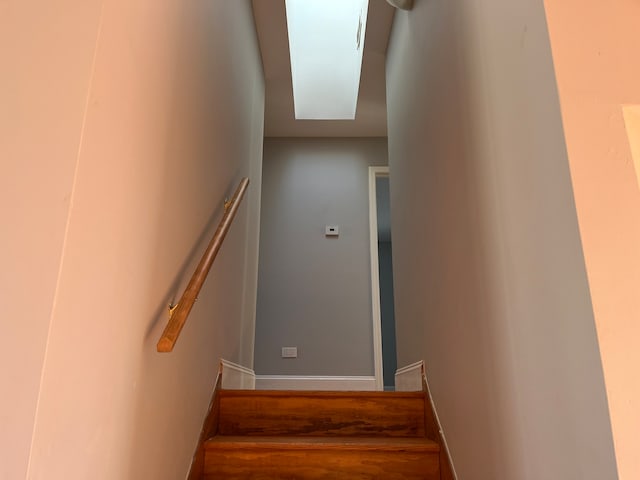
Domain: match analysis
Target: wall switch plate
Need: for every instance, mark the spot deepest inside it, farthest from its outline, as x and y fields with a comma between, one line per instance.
x=332, y=230
x=289, y=352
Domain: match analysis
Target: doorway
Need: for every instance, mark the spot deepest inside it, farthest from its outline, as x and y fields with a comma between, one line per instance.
x=384, y=336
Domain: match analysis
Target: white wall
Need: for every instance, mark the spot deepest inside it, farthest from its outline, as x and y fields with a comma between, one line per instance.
x=314, y=292
x=128, y=124
x=595, y=54
x=490, y=282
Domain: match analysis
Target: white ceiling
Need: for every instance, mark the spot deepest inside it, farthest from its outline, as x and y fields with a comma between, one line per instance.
x=371, y=114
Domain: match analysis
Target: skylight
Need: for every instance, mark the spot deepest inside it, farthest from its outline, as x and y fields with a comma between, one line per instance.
x=326, y=39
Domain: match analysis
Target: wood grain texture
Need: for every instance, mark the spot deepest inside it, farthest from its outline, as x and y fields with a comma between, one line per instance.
x=261, y=413
x=432, y=430
x=446, y=473
x=321, y=458
x=179, y=317
x=209, y=429
x=430, y=423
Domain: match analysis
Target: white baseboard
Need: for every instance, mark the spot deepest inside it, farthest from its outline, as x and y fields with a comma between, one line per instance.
x=409, y=378
x=236, y=377
x=307, y=382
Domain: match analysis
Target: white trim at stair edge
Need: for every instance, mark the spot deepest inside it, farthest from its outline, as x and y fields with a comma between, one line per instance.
x=407, y=380
x=311, y=382
x=236, y=377
x=378, y=365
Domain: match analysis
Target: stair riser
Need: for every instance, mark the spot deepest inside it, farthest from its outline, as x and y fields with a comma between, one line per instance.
x=319, y=464
x=320, y=416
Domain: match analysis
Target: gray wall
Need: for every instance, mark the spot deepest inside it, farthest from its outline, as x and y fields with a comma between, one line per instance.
x=490, y=282
x=314, y=292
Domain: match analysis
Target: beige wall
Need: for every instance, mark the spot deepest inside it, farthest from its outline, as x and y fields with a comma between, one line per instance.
x=490, y=282
x=128, y=124
x=595, y=50
x=46, y=66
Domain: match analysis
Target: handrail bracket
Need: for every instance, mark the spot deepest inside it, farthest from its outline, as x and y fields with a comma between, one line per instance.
x=178, y=313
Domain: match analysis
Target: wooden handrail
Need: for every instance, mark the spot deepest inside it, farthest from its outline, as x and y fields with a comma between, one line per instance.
x=180, y=312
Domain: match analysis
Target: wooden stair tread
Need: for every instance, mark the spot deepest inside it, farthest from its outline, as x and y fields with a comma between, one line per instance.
x=325, y=443
x=318, y=393
x=321, y=413
x=316, y=458
x=320, y=435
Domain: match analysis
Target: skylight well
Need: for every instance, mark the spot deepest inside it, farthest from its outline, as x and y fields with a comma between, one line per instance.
x=326, y=39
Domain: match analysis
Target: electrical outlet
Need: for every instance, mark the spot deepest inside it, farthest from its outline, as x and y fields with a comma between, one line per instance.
x=332, y=230
x=289, y=352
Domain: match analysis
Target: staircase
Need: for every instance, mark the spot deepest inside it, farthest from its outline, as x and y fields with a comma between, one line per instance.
x=321, y=435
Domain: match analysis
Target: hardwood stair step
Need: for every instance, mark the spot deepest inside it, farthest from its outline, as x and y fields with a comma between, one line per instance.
x=303, y=443
x=233, y=457
x=311, y=413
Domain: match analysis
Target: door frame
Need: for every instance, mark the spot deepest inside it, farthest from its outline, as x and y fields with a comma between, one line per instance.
x=375, y=172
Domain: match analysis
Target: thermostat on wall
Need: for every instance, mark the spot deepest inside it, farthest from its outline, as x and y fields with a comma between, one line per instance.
x=332, y=230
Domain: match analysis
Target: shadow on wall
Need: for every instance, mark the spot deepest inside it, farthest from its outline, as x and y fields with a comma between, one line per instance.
x=443, y=306
x=489, y=277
